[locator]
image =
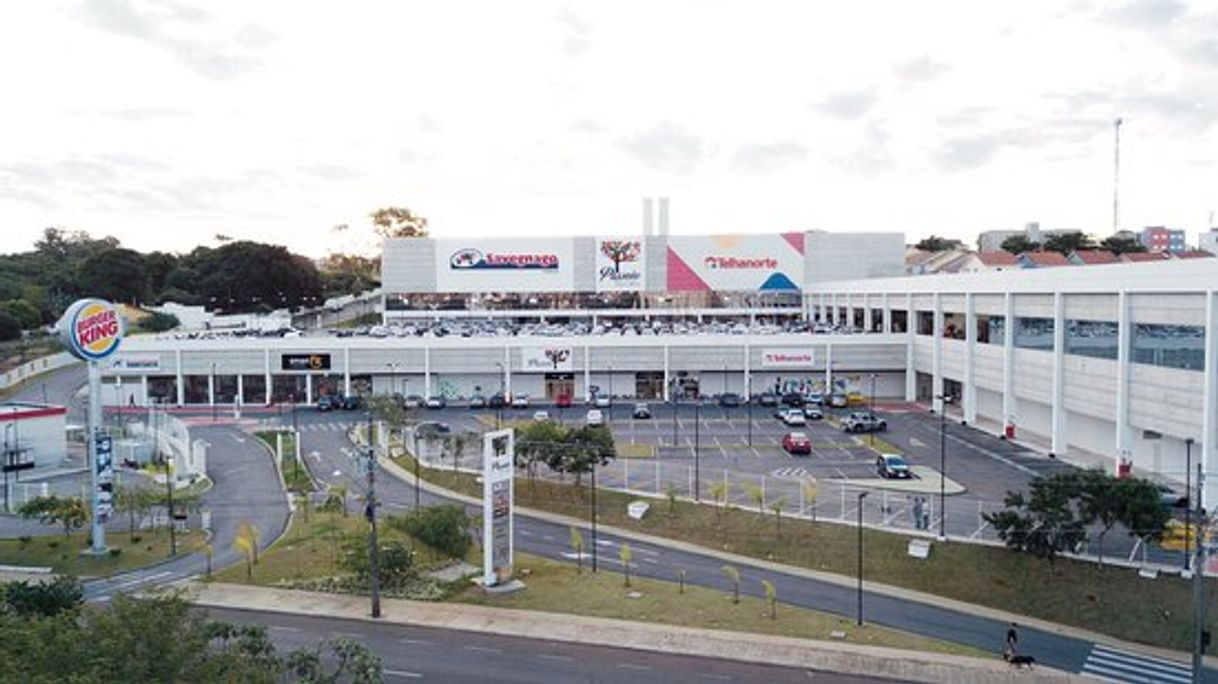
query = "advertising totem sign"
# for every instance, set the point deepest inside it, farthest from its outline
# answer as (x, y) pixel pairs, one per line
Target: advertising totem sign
(498, 462)
(92, 330)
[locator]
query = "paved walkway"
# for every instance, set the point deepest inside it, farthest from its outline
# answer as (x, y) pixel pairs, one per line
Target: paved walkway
(755, 648)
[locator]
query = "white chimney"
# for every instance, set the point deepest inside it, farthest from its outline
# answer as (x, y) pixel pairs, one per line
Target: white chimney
(648, 214)
(663, 216)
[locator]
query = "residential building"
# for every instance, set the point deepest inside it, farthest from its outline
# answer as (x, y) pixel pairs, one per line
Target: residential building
(1092, 257)
(1162, 239)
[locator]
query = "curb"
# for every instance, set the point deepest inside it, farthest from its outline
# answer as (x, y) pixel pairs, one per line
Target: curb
(780, 651)
(828, 578)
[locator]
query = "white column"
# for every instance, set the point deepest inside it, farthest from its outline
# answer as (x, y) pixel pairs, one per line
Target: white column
(308, 388)
(347, 371)
(866, 312)
(266, 371)
(237, 399)
(828, 370)
(181, 378)
(144, 389)
(911, 376)
(507, 371)
(820, 307)
(427, 373)
(970, 352)
(748, 373)
(1124, 446)
(1209, 404)
(1058, 416)
(936, 355)
(211, 389)
(588, 373)
(887, 315)
(1008, 361)
(833, 312)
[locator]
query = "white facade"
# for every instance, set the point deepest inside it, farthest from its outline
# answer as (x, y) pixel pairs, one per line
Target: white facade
(34, 433)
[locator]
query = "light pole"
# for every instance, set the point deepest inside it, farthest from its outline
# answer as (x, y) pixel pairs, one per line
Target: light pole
(749, 400)
(871, 435)
(213, 392)
(862, 495)
(593, 513)
(1188, 486)
(943, 402)
(609, 408)
(502, 397)
(370, 513)
(697, 443)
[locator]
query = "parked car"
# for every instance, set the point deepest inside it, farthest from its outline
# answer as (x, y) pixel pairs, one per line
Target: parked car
(767, 399)
(797, 443)
(496, 401)
(838, 400)
(641, 412)
(352, 402)
(863, 421)
(477, 401)
(729, 399)
(892, 467)
(412, 401)
(1170, 498)
(602, 401)
(563, 401)
(856, 399)
(432, 428)
(815, 398)
(595, 417)
(794, 399)
(813, 412)
(520, 401)
(541, 416)
(794, 418)
(327, 403)
(436, 402)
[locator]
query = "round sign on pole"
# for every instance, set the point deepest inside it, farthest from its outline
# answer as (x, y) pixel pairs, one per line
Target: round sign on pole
(92, 329)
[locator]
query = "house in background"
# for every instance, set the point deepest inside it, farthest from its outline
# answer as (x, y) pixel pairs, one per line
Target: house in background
(1092, 257)
(1042, 260)
(983, 262)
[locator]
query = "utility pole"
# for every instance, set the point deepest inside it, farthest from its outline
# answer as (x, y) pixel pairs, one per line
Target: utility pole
(370, 513)
(697, 443)
(594, 554)
(1188, 510)
(1200, 635)
(1116, 175)
(861, 495)
(173, 540)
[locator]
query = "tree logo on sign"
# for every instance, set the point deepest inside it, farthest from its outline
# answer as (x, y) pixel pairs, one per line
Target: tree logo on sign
(558, 357)
(621, 251)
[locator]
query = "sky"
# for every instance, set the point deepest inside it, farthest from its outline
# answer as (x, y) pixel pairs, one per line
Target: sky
(166, 124)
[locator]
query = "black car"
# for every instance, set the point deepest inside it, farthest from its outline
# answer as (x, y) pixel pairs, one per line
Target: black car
(729, 399)
(477, 401)
(352, 403)
(793, 399)
(767, 399)
(497, 401)
(327, 403)
(641, 412)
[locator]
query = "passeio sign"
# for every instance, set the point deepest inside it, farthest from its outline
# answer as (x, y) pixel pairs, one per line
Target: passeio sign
(92, 329)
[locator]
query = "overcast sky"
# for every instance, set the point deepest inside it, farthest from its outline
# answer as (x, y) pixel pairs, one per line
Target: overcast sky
(163, 124)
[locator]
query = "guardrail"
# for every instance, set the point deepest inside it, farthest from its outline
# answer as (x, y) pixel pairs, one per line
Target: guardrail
(38, 366)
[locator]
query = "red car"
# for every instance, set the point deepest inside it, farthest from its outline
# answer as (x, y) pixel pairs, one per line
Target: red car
(563, 401)
(797, 443)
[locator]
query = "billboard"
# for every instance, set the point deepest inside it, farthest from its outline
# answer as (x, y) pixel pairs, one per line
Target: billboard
(103, 498)
(746, 263)
(505, 265)
(786, 358)
(498, 460)
(546, 360)
(621, 264)
(304, 362)
(92, 329)
(135, 363)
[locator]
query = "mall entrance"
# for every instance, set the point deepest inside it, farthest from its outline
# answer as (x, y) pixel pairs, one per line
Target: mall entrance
(559, 384)
(649, 385)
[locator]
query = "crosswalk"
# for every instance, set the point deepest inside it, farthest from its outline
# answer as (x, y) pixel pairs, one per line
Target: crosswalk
(792, 473)
(1111, 665)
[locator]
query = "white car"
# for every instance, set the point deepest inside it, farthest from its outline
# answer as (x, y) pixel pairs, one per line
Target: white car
(595, 417)
(541, 416)
(520, 401)
(601, 401)
(794, 418)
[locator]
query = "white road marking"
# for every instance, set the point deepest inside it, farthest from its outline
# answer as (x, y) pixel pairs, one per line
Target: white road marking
(551, 656)
(417, 642)
(633, 666)
(484, 649)
(403, 673)
(278, 628)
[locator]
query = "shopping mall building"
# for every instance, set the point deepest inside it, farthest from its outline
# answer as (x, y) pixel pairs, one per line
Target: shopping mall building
(1114, 360)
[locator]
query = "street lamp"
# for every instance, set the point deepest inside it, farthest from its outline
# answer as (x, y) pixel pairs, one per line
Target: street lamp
(871, 435)
(1188, 486)
(370, 513)
(502, 397)
(862, 495)
(697, 456)
(944, 400)
(213, 392)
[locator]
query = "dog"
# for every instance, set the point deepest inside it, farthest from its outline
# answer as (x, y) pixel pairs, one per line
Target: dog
(1018, 661)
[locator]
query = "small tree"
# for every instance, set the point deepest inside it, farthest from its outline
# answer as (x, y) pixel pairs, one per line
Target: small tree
(934, 243)
(246, 543)
(809, 490)
(719, 491)
(1018, 244)
(771, 598)
(135, 502)
(1142, 511)
(1101, 502)
(1047, 523)
(670, 492)
(444, 528)
(681, 581)
(757, 494)
(69, 511)
(733, 576)
(776, 506)
(336, 497)
(304, 502)
(625, 555)
(577, 547)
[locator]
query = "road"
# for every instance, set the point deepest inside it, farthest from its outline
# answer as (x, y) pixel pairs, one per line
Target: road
(424, 654)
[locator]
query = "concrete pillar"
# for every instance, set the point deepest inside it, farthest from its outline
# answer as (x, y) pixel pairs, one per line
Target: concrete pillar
(1124, 445)
(347, 371)
(936, 355)
(1209, 404)
(828, 370)
(309, 388)
(211, 389)
(887, 315)
(748, 374)
(588, 373)
(507, 370)
(970, 353)
(820, 307)
(427, 372)
(911, 376)
(180, 377)
(1058, 416)
(266, 372)
(144, 390)
(1009, 405)
(237, 399)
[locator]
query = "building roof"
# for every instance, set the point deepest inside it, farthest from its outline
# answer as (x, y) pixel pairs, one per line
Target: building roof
(1193, 254)
(1140, 257)
(999, 258)
(1091, 257)
(1043, 258)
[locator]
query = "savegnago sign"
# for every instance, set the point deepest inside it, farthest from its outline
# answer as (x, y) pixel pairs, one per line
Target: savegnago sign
(92, 329)
(786, 358)
(470, 258)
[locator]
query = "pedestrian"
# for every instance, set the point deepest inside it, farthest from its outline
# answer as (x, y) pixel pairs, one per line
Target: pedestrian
(1012, 640)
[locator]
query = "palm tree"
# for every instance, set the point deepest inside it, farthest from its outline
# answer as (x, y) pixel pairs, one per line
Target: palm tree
(771, 597)
(809, 491)
(757, 494)
(777, 505)
(733, 576)
(577, 545)
(625, 555)
(719, 492)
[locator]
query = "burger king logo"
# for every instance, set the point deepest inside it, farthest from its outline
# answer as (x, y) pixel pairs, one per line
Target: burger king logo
(92, 329)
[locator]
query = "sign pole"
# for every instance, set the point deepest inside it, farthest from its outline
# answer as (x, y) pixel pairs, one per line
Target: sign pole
(95, 465)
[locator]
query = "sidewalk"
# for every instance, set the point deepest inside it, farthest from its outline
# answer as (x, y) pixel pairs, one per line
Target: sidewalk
(754, 648)
(828, 578)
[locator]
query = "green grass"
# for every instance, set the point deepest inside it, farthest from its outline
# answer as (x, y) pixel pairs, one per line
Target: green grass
(1113, 601)
(635, 450)
(560, 588)
(295, 473)
(63, 554)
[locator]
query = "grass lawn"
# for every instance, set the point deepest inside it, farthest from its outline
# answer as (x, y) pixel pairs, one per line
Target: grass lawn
(295, 473)
(1108, 600)
(559, 588)
(63, 554)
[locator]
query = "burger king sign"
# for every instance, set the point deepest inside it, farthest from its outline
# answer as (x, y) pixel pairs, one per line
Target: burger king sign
(92, 329)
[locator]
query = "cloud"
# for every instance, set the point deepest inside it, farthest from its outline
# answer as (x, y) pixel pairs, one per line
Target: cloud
(331, 172)
(1058, 134)
(921, 69)
(577, 32)
(666, 147)
(589, 126)
(767, 157)
(1142, 14)
(1205, 52)
(848, 104)
(872, 155)
(144, 113)
(159, 24)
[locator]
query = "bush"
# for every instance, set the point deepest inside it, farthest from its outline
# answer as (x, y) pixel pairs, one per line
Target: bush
(115, 553)
(43, 598)
(395, 560)
(53, 544)
(158, 322)
(24, 539)
(137, 539)
(444, 528)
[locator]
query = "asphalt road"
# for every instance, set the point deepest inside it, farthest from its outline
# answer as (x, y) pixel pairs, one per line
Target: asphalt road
(423, 654)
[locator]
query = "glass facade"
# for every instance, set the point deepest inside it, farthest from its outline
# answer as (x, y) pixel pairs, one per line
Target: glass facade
(1097, 339)
(1034, 333)
(1171, 346)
